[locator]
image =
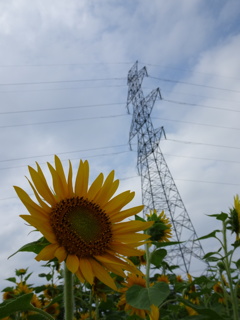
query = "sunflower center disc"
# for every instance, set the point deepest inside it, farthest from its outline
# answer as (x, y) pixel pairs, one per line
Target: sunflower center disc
(81, 227)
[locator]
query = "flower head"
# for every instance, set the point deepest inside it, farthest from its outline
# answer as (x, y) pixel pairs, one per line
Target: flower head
(163, 278)
(82, 223)
(161, 230)
(132, 280)
(234, 219)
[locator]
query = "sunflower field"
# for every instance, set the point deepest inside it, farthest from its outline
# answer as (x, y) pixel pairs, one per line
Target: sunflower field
(94, 268)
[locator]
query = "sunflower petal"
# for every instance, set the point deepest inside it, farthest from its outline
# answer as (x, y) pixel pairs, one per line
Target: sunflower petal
(31, 206)
(119, 201)
(81, 184)
(42, 186)
(86, 268)
(44, 206)
(72, 263)
(125, 250)
(121, 215)
(70, 185)
(131, 226)
(115, 269)
(80, 275)
(60, 171)
(60, 254)
(95, 186)
(47, 253)
(106, 191)
(130, 237)
(57, 183)
(102, 274)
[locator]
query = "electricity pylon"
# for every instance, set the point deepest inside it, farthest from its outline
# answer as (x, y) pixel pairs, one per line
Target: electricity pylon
(159, 190)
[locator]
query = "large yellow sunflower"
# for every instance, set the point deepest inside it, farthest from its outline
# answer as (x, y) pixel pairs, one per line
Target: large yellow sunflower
(84, 224)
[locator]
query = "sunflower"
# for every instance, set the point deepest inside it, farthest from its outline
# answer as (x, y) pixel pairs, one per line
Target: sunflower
(219, 290)
(163, 278)
(132, 280)
(161, 230)
(83, 224)
(234, 218)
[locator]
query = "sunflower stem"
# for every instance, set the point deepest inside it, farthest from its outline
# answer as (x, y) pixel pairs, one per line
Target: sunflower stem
(147, 264)
(68, 294)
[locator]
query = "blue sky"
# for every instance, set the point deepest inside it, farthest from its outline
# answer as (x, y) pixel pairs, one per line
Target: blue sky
(74, 56)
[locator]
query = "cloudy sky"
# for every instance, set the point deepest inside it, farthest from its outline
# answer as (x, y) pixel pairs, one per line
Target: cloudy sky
(63, 89)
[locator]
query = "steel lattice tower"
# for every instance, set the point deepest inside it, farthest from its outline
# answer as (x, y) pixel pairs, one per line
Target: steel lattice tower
(159, 190)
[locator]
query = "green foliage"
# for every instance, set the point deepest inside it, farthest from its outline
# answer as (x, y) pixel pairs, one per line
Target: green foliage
(213, 296)
(142, 298)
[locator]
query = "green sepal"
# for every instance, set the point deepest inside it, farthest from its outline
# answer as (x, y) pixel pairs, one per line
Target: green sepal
(139, 218)
(142, 298)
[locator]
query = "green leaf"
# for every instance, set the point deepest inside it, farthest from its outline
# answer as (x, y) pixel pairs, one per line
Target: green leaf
(21, 303)
(220, 216)
(142, 298)
(11, 279)
(210, 235)
(166, 244)
(158, 256)
(211, 314)
(237, 263)
(35, 246)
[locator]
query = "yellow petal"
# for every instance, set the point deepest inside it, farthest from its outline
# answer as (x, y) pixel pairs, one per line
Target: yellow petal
(131, 226)
(70, 185)
(47, 253)
(95, 186)
(81, 184)
(59, 188)
(61, 174)
(86, 268)
(119, 201)
(125, 250)
(42, 186)
(46, 209)
(34, 221)
(31, 206)
(80, 275)
(108, 189)
(61, 254)
(130, 237)
(72, 263)
(121, 215)
(111, 259)
(102, 274)
(154, 314)
(115, 269)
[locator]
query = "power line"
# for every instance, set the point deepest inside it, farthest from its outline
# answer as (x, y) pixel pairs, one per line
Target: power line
(64, 152)
(63, 108)
(198, 105)
(204, 144)
(61, 121)
(189, 70)
(60, 89)
(60, 64)
(58, 81)
(193, 84)
(195, 123)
